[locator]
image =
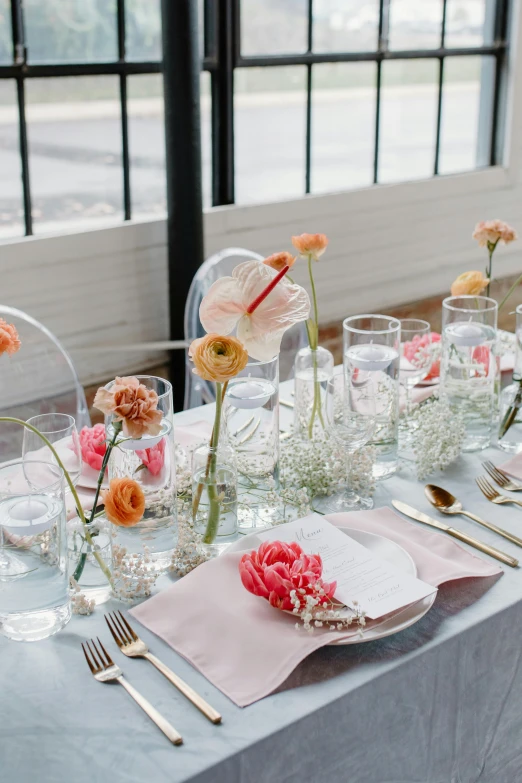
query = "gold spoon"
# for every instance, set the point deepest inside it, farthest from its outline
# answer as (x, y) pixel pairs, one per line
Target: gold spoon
(447, 503)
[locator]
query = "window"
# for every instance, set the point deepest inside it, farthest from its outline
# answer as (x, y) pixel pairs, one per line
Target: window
(297, 96)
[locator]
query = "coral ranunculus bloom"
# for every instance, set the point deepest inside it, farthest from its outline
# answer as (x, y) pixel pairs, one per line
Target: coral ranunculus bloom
(124, 502)
(278, 261)
(311, 244)
(9, 339)
(217, 358)
(133, 404)
(469, 284)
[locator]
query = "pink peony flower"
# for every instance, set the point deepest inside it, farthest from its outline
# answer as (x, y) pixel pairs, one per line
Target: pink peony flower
(92, 444)
(153, 458)
(418, 343)
(276, 569)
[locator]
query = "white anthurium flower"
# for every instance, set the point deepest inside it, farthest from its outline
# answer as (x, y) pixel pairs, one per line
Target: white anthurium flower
(259, 303)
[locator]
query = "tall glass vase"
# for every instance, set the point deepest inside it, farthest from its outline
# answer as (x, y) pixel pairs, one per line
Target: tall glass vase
(150, 461)
(510, 424)
(371, 357)
(214, 497)
(313, 370)
(469, 364)
(251, 409)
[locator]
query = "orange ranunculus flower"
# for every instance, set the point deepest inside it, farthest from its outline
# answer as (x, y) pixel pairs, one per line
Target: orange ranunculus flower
(9, 340)
(217, 358)
(492, 231)
(469, 284)
(133, 404)
(278, 261)
(124, 502)
(311, 244)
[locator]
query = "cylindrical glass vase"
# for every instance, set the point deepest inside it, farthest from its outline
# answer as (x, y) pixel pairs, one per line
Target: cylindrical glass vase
(214, 498)
(371, 345)
(312, 371)
(34, 585)
(510, 422)
(469, 364)
(84, 567)
(150, 461)
(251, 411)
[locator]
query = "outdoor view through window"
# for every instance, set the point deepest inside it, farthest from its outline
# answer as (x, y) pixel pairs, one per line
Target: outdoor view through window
(311, 125)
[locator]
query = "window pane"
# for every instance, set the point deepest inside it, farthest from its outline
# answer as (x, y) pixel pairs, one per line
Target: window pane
(206, 138)
(142, 30)
(408, 123)
(343, 125)
(415, 25)
(273, 27)
(470, 23)
(345, 25)
(270, 112)
(74, 127)
(69, 31)
(11, 204)
(467, 110)
(6, 41)
(146, 145)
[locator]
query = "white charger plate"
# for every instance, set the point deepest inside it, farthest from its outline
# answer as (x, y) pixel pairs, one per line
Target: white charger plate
(387, 550)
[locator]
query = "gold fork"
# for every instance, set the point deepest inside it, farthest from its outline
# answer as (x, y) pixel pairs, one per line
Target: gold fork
(491, 493)
(105, 670)
(133, 647)
(501, 478)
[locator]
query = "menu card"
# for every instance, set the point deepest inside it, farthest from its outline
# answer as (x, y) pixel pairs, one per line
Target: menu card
(361, 576)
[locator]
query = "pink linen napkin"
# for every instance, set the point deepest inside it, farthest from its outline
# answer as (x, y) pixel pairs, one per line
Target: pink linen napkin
(513, 466)
(245, 647)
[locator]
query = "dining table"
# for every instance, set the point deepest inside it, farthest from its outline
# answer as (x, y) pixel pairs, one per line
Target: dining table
(439, 702)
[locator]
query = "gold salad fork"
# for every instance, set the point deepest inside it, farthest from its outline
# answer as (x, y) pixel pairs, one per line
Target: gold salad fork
(104, 669)
(133, 647)
(501, 478)
(489, 491)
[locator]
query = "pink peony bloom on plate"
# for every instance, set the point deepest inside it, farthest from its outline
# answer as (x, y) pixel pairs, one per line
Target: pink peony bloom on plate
(276, 569)
(259, 303)
(489, 232)
(413, 347)
(153, 458)
(92, 444)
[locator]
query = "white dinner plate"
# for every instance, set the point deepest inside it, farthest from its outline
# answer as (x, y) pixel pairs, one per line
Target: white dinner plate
(387, 550)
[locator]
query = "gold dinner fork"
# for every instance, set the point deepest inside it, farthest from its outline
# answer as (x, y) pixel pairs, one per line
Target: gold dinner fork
(105, 670)
(491, 493)
(501, 478)
(133, 647)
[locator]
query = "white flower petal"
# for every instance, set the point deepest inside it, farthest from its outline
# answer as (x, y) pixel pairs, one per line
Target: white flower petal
(222, 307)
(260, 345)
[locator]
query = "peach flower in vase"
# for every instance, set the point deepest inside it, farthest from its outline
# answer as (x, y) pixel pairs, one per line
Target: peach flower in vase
(489, 233)
(9, 339)
(124, 502)
(469, 284)
(132, 404)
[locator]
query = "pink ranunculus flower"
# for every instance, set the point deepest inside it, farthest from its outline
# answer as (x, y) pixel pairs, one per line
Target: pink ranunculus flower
(413, 347)
(153, 458)
(259, 303)
(276, 569)
(92, 444)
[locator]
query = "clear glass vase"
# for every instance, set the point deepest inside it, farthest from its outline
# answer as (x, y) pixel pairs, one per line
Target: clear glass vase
(214, 498)
(151, 462)
(469, 364)
(84, 568)
(313, 369)
(510, 421)
(251, 412)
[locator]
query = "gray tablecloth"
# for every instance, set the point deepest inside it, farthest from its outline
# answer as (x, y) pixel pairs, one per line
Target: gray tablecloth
(438, 703)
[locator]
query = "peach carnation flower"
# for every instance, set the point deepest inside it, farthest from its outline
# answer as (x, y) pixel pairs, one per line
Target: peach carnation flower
(312, 245)
(133, 404)
(278, 261)
(489, 232)
(9, 340)
(217, 358)
(469, 284)
(124, 502)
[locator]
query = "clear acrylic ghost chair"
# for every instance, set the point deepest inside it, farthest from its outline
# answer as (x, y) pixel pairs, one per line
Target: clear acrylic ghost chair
(198, 391)
(39, 378)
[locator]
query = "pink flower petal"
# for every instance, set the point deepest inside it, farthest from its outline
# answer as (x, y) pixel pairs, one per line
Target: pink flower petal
(223, 306)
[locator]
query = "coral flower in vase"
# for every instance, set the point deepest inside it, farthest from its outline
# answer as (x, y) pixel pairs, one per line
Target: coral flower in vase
(9, 339)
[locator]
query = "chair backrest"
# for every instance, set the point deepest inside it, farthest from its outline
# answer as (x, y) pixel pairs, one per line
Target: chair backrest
(198, 391)
(39, 378)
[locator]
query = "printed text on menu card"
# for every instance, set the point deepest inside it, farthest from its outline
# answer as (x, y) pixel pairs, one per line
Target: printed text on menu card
(361, 576)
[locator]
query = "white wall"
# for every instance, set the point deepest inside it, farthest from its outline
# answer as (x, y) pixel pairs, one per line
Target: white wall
(389, 244)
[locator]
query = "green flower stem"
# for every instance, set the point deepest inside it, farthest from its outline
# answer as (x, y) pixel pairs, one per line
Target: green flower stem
(489, 270)
(79, 508)
(517, 282)
(117, 429)
(511, 413)
(214, 511)
(199, 491)
(312, 328)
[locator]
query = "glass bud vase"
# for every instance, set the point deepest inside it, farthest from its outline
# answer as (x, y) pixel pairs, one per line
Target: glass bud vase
(251, 409)
(84, 568)
(214, 498)
(510, 422)
(312, 370)
(147, 547)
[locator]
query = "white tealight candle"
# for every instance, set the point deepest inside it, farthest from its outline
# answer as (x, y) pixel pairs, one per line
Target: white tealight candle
(371, 357)
(249, 394)
(31, 515)
(465, 334)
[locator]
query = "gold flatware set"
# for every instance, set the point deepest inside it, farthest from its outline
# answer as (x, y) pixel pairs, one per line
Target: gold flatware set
(104, 669)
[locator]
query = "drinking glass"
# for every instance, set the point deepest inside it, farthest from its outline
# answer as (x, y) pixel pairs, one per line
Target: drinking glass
(60, 430)
(415, 362)
(350, 419)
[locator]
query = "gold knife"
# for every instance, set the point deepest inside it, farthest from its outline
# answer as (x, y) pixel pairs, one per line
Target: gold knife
(486, 548)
